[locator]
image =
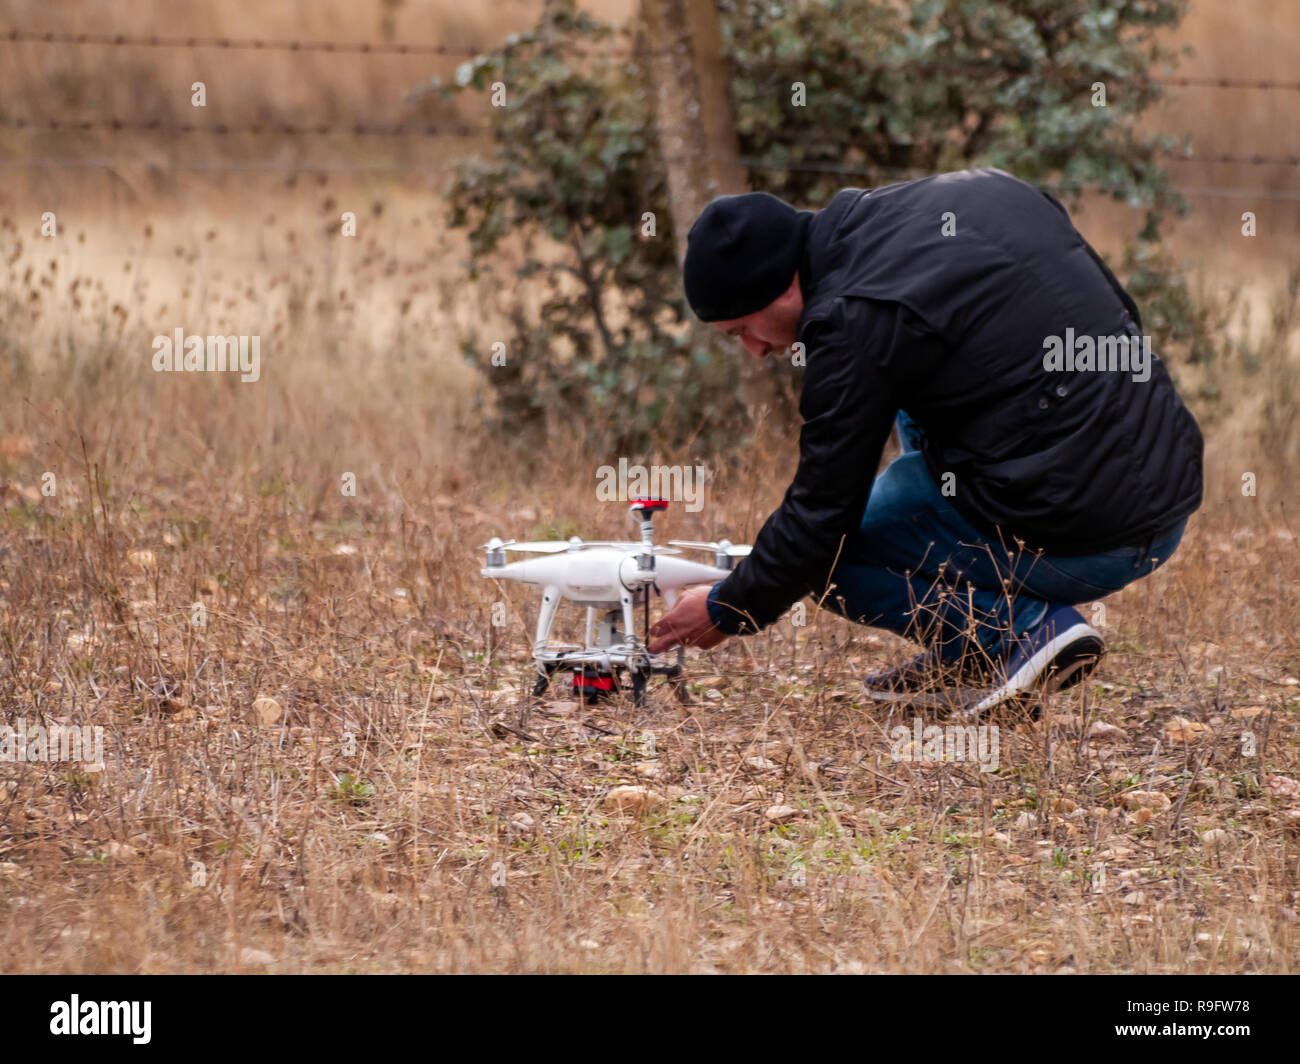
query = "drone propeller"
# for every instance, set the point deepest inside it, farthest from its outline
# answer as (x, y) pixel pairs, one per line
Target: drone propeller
(541, 546)
(626, 545)
(725, 546)
(556, 546)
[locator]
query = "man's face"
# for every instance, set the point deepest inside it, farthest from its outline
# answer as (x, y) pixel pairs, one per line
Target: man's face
(774, 328)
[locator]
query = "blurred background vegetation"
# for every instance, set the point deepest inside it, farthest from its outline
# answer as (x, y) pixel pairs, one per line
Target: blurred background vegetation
(825, 95)
(548, 231)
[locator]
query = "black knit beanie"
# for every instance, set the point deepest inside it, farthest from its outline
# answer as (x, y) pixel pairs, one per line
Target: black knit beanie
(741, 253)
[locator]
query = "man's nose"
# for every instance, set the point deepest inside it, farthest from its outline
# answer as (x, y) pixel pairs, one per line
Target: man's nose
(755, 346)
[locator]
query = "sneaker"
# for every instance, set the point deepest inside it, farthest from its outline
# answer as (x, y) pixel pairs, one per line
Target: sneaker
(926, 673)
(1061, 651)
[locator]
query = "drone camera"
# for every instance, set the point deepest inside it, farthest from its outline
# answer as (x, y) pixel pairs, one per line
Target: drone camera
(593, 684)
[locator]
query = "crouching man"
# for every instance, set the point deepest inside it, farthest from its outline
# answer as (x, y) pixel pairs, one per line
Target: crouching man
(1046, 458)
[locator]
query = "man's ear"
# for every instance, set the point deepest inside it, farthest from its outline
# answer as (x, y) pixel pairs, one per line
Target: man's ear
(793, 295)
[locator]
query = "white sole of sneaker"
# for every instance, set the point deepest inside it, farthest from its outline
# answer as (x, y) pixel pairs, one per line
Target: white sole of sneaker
(941, 698)
(885, 696)
(1030, 676)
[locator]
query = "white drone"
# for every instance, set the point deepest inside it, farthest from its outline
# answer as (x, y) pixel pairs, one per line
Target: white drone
(614, 578)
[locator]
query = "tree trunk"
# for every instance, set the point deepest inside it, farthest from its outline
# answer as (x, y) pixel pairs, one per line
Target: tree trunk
(697, 136)
(697, 139)
(701, 152)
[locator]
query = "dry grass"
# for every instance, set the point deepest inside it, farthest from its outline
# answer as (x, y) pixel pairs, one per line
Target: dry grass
(467, 829)
(337, 771)
(464, 828)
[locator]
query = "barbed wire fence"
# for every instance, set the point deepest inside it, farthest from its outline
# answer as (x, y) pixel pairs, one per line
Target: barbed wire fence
(360, 129)
(123, 40)
(219, 131)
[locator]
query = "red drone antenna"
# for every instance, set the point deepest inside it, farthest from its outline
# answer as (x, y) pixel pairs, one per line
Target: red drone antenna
(643, 511)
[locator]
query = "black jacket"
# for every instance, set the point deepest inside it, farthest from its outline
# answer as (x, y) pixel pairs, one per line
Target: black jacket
(953, 329)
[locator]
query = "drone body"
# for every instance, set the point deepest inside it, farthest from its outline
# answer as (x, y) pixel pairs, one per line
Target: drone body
(610, 579)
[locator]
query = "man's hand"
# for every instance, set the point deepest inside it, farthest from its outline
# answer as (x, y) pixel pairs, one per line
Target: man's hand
(686, 623)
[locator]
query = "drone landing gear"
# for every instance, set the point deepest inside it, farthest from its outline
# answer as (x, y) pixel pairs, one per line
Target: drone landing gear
(592, 685)
(543, 680)
(640, 677)
(596, 670)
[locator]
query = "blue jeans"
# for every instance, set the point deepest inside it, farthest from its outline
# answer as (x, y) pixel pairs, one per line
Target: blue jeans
(918, 568)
